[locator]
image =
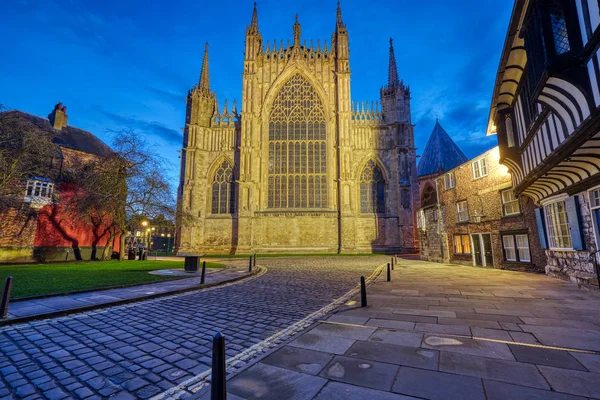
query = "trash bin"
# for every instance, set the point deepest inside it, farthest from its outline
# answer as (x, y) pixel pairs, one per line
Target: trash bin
(192, 263)
(131, 253)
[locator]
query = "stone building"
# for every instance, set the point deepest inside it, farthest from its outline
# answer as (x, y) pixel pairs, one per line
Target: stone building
(478, 221)
(545, 113)
(34, 225)
(302, 167)
(441, 154)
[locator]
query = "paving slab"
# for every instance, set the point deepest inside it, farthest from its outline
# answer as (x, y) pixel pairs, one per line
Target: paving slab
(572, 382)
(392, 324)
(487, 368)
(323, 342)
(590, 361)
(401, 338)
(367, 373)
(343, 331)
(543, 356)
(437, 385)
(504, 391)
(267, 382)
(343, 391)
(393, 354)
(298, 359)
(468, 346)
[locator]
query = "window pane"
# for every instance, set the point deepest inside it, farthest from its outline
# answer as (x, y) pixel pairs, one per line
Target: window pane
(509, 248)
(523, 248)
(466, 244)
(458, 244)
(300, 166)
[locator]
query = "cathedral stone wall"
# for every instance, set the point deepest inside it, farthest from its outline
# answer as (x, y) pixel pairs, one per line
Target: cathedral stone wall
(306, 168)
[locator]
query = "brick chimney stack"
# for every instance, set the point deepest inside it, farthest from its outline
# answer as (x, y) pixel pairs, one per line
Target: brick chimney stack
(58, 117)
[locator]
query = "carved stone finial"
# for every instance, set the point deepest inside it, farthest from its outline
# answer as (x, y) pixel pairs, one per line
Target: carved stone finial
(297, 32)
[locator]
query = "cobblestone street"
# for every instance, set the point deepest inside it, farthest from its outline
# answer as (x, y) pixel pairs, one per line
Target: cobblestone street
(140, 350)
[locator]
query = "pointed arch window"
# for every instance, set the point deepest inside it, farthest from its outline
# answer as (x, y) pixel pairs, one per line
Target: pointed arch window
(297, 148)
(372, 189)
(223, 190)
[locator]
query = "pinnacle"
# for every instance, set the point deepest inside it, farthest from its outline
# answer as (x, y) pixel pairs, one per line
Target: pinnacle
(204, 82)
(393, 79)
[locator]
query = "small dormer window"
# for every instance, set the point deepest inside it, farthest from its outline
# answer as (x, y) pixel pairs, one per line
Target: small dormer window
(39, 190)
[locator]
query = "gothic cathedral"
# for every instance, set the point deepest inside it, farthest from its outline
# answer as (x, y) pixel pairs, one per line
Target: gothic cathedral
(301, 168)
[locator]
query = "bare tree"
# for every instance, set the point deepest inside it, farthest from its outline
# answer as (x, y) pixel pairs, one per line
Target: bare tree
(120, 190)
(25, 151)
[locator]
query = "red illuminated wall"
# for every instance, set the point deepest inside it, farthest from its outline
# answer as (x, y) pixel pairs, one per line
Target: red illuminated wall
(58, 226)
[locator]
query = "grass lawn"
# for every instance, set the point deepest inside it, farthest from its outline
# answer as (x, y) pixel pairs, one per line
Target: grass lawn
(44, 279)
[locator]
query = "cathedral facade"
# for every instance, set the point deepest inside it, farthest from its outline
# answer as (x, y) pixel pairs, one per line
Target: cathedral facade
(301, 168)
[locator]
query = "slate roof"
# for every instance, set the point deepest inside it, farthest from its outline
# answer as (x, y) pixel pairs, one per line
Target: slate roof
(69, 137)
(441, 153)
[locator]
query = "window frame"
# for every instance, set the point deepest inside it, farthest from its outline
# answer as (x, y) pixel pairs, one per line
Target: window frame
(39, 191)
(459, 211)
(553, 231)
(482, 165)
(513, 238)
(452, 179)
(504, 204)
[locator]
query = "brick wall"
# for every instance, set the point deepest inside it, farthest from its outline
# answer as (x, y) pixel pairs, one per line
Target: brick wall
(484, 200)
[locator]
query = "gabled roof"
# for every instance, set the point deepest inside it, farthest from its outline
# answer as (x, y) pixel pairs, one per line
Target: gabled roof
(68, 136)
(441, 153)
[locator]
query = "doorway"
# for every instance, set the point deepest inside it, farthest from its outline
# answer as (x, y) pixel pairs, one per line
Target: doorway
(483, 255)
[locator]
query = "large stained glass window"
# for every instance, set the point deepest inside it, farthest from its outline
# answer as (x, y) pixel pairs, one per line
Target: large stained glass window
(297, 148)
(372, 190)
(223, 190)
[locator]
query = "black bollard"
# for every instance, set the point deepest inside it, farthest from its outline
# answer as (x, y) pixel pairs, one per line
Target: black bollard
(5, 297)
(389, 273)
(393, 262)
(218, 390)
(203, 276)
(254, 263)
(250, 265)
(363, 292)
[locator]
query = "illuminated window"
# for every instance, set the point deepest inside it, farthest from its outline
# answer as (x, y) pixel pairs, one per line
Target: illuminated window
(510, 204)
(297, 148)
(480, 168)
(557, 224)
(462, 244)
(223, 190)
(462, 211)
(372, 190)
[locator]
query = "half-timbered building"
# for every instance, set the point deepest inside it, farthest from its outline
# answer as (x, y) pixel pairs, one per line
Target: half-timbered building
(545, 112)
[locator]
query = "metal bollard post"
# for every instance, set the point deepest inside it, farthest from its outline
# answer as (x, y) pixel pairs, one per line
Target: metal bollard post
(203, 276)
(389, 273)
(5, 297)
(250, 265)
(218, 391)
(254, 263)
(363, 292)
(393, 262)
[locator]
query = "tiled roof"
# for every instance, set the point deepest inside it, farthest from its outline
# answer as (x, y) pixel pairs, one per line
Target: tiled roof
(68, 136)
(441, 153)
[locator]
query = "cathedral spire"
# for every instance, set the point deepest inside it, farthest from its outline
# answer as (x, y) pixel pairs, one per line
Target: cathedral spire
(296, 32)
(253, 28)
(339, 22)
(204, 82)
(393, 80)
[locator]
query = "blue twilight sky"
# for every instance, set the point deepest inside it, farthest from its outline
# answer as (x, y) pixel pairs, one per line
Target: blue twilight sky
(129, 63)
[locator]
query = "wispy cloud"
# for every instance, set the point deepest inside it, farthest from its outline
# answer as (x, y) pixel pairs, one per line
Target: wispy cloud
(153, 128)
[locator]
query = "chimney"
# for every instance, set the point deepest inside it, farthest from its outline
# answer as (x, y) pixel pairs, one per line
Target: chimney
(58, 117)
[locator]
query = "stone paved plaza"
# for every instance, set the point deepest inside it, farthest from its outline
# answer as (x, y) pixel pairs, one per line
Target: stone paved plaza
(442, 332)
(140, 350)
